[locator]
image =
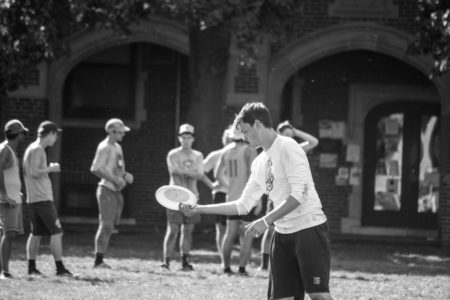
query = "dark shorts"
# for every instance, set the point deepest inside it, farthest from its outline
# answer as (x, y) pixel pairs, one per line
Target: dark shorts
(44, 218)
(300, 262)
(220, 197)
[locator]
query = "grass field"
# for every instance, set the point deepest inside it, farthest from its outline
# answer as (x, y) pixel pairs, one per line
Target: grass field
(359, 271)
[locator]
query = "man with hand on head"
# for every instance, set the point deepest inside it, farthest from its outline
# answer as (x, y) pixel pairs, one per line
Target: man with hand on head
(300, 252)
(236, 161)
(44, 218)
(10, 192)
(109, 166)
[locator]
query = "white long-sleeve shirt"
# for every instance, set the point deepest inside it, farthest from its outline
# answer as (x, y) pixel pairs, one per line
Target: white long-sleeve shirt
(291, 174)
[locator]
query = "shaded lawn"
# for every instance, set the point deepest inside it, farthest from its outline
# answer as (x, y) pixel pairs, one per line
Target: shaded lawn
(359, 271)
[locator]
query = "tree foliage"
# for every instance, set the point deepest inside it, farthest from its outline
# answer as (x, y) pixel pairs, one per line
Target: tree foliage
(32, 31)
(433, 36)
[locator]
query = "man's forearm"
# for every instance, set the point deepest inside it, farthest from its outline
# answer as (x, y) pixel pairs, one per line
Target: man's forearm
(286, 207)
(228, 208)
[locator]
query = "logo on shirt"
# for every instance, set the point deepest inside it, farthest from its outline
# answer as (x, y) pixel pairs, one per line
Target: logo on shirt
(316, 280)
(269, 177)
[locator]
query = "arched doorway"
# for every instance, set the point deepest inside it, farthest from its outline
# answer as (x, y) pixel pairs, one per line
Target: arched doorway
(155, 57)
(144, 84)
(342, 89)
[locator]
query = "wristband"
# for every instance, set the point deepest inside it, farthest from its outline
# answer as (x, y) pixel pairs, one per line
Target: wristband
(265, 222)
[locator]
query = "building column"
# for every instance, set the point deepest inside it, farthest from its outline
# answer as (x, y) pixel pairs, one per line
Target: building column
(444, 201)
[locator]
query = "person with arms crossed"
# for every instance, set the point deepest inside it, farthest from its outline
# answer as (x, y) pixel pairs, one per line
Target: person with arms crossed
(185, 167)
(309, 142)
(44, 218)
(109, 166)
(219, 191)
(235, 162)
(11, 219)
(300, 251)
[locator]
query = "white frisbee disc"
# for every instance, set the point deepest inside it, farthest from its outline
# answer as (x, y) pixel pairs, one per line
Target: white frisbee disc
(170, 196)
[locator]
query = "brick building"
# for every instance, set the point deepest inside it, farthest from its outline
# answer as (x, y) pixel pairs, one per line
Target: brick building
(382, 168)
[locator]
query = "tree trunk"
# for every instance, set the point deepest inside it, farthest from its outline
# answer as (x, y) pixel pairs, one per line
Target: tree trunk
(208, 66)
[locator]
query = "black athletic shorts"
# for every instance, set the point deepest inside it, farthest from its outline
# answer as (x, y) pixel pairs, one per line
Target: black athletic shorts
(44, 218)
(220, 197)
(300, 262)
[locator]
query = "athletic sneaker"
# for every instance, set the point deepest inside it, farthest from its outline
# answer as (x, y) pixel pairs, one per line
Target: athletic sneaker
(6, 275)
(228, 271)
(34, 272)
(102, 265)
(165, 266)
(242, 273)
(64, 272)
(187, 267)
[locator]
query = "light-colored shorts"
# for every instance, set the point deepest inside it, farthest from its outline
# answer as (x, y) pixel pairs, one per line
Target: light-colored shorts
(110, 206)
(11, 218)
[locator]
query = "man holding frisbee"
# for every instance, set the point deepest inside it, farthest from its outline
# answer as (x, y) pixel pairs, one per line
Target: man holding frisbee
(109, 166)
(300, 251)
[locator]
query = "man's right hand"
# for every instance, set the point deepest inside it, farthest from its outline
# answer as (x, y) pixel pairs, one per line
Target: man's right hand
(187, 209)
(54, 167)
(11, 202)
(120, 183)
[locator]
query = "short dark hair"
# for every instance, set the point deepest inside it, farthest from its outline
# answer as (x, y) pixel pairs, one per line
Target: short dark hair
(254, 111)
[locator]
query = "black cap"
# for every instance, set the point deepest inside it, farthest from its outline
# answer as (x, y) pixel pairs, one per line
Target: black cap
(47, 127)
(14, 127)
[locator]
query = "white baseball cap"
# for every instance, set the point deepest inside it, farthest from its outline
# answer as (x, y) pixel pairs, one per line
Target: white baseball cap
(116, 124)
(186, 128)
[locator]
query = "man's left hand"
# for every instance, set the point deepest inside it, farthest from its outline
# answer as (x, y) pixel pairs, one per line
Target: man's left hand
(256, 228)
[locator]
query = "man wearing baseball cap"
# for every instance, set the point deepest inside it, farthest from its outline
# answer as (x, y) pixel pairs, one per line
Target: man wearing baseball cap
(44, 218)
(109, 166)
(10, 192)
(185, 169)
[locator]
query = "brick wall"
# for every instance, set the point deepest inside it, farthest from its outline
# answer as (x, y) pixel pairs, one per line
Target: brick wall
(313, 16)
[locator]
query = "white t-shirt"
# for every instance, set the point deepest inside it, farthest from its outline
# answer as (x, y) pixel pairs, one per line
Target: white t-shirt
(286, 164)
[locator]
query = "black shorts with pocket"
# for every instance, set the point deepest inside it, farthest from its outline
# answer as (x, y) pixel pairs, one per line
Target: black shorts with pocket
(44, 218)
(300, 262)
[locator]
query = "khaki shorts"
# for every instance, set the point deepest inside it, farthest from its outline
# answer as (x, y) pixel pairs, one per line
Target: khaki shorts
(110, 206)
(11, 218)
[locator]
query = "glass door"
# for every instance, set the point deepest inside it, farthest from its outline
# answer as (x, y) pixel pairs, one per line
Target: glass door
(401, 166)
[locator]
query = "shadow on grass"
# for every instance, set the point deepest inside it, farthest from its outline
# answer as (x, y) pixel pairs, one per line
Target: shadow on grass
(365, 257)
(390, 259)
